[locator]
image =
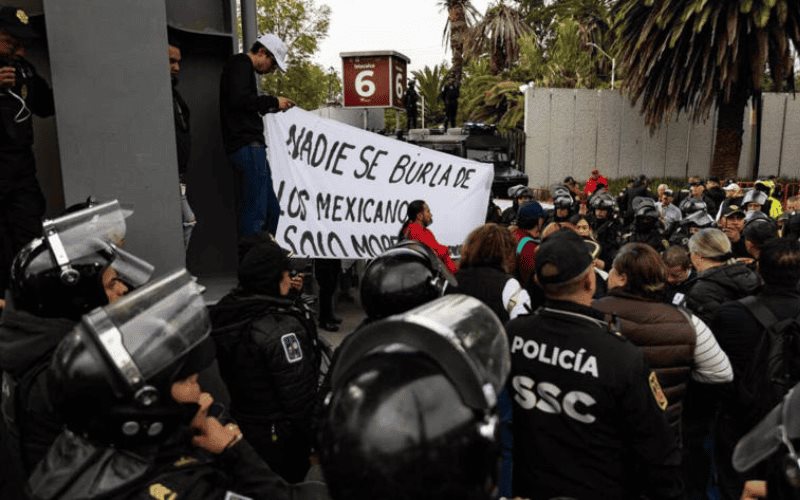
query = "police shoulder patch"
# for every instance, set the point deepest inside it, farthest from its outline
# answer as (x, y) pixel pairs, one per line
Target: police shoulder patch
(658, 393)
(291, 348)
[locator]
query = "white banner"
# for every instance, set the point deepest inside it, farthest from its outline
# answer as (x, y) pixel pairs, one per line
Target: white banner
(344, 192)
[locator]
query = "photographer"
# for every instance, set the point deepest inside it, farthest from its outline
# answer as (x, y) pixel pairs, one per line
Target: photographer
(22, 93)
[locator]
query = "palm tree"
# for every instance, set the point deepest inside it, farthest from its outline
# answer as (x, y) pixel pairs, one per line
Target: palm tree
(497, 35)
(460, 15)
(430, 82)
(690, 55)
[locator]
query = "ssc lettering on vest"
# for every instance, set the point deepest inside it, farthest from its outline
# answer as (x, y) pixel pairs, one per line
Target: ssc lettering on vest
(574, 404)
(563, 358)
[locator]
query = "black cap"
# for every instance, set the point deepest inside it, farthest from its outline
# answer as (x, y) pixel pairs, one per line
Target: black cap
(529, 214)
(569, 180)
(729, 210)
(561, 257)
(262, 268)
(15, 22)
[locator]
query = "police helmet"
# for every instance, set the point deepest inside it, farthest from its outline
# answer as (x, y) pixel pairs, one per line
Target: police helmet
(413, 404)
(519, 191)
(644, 206)
(602, 201)
(691, 205)
(699, 219)
(60, 274)
(562, 202)
(403, 277)
(754, 196)
(111, 377)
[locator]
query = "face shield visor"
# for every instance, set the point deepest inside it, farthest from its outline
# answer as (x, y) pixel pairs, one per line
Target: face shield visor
(459, 332)
(84, 236)
(754, 196)
(779, 428)
(148, 330)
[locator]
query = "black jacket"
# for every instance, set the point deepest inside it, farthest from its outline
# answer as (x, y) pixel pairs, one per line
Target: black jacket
(485, 284)
(269, 358)
(590, 418)
(27, 343)
(720, 284)
(75, 469)
(240, 104)
(38, 97)
(738, 332)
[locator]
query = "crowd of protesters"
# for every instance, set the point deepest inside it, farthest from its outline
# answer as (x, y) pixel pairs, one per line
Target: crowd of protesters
(591, 345)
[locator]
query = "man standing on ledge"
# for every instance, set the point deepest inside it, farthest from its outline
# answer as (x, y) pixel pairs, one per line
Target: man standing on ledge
(241, 111)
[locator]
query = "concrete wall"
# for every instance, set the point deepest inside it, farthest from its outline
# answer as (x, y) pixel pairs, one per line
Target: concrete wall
(353, 117)
(114, 116)
(571, 132)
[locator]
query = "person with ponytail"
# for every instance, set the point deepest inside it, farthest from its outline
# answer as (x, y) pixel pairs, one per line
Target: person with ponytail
(415, 227)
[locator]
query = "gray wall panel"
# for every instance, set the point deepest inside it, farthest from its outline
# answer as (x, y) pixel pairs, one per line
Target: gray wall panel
(677, 147)
(585, 134)
(701, 138)
(771, 132)
(562, 135)
(608, 132)
(630, 163)
(128, 150)
(537, 145)
(654, 147)
(790, 161)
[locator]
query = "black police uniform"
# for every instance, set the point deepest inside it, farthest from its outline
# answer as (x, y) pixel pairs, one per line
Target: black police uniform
(269, 358)
(608, 233)
(176, 471)
(22, 203)
(588, 412)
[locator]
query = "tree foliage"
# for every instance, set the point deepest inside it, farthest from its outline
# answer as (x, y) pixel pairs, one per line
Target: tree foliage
(497, 36)
(429, 84)
(690, 55)
(461, 15)
(684, 55)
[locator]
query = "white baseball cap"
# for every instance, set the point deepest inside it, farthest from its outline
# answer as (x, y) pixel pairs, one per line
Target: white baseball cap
(276, 46)
(731, 187)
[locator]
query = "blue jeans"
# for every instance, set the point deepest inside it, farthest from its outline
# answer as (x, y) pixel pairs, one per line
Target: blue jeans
(258, 205)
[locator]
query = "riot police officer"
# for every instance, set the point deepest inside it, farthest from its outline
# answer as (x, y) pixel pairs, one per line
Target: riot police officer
(606, 225)
(55, 279)
(269, 358)
(128, 405)
(586, 405)
(411, 414)
(519, 195)
(689, 225)
(646, 226)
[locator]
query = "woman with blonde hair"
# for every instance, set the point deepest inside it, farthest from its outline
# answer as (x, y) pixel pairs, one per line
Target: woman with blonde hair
(720, 277)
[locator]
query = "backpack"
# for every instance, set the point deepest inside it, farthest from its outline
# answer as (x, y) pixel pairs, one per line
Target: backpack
(775, 365)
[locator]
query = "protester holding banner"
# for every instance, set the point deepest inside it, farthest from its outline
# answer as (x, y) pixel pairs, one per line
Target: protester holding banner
(415, 227)
(241, 108)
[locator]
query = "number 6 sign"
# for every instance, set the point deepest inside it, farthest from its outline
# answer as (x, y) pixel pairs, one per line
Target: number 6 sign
(374, 79)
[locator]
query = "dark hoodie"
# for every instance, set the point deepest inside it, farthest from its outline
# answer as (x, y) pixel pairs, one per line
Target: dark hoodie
(720, 284)
(27, 343)
(268, 356)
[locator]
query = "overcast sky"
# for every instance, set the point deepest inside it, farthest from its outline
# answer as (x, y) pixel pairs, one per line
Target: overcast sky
(411, 27)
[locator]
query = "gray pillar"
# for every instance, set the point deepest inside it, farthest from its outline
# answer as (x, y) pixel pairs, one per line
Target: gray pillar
(249, 23)
(114, 116)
